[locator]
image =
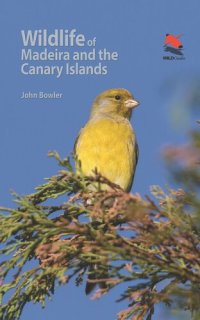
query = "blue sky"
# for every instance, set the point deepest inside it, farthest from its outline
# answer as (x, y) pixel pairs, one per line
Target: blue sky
(30, 128)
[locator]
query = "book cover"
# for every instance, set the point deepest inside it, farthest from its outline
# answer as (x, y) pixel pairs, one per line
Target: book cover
(56, 57)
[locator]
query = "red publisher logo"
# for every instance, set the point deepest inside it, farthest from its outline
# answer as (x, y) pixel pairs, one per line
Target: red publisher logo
(173, 45)
(173, 41)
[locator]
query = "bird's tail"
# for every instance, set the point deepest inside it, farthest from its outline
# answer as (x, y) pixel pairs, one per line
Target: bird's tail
(90, 284)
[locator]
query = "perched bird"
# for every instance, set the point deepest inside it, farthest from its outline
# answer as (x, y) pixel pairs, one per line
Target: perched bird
(107, 142)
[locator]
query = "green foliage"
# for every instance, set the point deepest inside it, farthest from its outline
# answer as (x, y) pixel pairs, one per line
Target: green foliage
(150, 244)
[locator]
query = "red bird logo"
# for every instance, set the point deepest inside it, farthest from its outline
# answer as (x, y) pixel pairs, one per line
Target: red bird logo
(173, 41)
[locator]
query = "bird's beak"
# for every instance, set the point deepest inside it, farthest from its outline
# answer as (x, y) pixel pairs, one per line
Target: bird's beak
(131, 103)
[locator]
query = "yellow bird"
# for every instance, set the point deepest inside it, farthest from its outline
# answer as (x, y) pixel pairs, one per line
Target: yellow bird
(108, 142)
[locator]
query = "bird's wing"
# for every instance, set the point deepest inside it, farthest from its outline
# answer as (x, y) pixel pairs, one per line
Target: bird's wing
(136, 153)
(75, 145)
(76, 142)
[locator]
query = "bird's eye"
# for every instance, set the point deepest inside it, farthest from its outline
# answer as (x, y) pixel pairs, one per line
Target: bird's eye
(117, 97)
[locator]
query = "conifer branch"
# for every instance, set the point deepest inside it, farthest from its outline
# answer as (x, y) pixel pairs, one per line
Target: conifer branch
(112, 236)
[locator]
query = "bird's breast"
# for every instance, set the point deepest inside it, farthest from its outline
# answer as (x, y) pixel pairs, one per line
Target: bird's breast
(108, 146)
